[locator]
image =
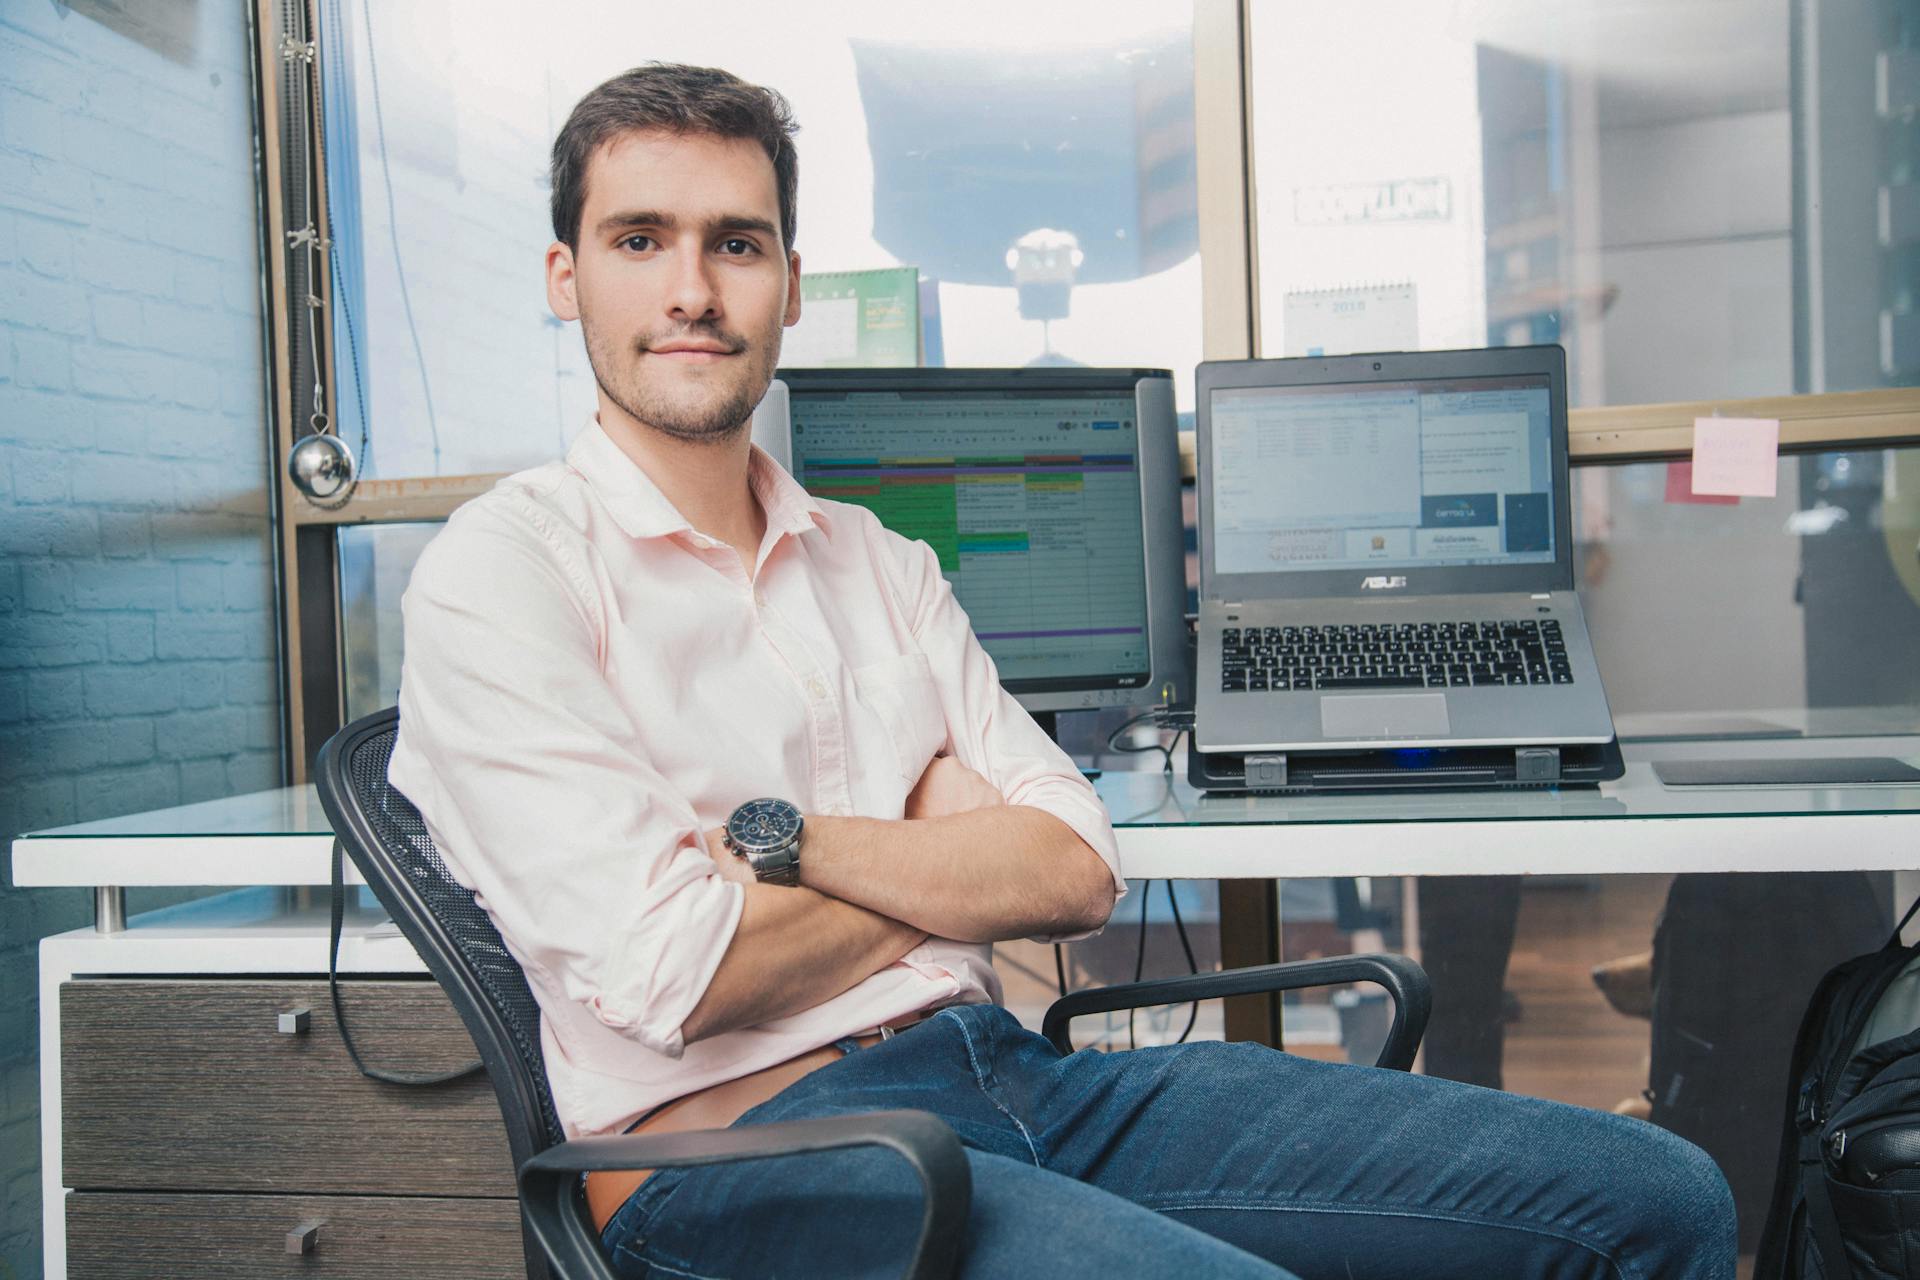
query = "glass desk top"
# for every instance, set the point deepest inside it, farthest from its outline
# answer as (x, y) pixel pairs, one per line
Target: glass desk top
(1155, 799)
(283, 811)
(1165, 827)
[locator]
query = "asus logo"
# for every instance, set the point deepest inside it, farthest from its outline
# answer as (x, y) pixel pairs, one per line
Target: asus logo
(1382, 584)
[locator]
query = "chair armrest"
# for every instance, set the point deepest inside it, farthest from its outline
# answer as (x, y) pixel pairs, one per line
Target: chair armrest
(1404, 980)
(549, 1181)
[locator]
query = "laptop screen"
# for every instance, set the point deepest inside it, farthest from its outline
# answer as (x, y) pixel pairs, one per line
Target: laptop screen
(1030, 499)
(1434, 473)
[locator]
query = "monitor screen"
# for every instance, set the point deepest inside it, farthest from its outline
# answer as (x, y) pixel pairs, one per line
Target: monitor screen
(1435, 473)
(1031, 499)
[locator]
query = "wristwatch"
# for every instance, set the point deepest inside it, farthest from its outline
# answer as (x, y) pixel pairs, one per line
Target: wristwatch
(765, 834)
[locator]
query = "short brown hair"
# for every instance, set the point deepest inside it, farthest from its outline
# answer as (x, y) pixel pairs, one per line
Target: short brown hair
(677, 99)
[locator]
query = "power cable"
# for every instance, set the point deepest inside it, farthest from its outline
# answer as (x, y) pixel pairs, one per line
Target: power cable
(1139, 956)
(1159, 717)
(1193, 1008)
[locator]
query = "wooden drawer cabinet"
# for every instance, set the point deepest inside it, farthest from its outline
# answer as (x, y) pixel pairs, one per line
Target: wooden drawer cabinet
(191, 1085)
(141, 1236)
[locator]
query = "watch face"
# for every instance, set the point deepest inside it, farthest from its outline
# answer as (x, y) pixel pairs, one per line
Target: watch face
(762, 826)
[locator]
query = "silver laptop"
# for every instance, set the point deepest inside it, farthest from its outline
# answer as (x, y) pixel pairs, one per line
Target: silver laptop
(1385, 555)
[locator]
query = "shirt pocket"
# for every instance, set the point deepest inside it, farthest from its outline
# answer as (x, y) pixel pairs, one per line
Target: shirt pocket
(901, 692)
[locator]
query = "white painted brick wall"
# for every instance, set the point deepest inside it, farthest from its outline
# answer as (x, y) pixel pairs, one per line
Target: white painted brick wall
(136, 627)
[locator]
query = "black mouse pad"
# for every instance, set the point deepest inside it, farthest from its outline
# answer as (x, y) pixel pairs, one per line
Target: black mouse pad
(1808, 771)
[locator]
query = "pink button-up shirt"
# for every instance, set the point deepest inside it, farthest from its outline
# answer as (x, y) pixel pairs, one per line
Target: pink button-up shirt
(591, 683)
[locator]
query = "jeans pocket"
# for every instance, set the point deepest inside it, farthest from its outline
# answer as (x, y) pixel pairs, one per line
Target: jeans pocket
(628, 1262)
(628, 1229)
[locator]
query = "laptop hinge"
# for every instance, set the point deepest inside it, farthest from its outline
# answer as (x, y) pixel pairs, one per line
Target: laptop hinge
(1536, 764)
(1267, 770)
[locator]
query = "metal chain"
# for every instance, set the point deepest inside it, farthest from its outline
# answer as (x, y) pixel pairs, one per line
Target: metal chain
(312, 240)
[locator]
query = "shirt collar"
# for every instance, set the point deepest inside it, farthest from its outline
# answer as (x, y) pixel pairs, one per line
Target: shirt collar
(642, 511)
(789, 508)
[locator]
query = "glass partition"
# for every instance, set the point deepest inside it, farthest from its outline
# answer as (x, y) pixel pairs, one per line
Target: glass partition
(1034, 164)
(1798, 613)
(1699, 201)
(375, 562)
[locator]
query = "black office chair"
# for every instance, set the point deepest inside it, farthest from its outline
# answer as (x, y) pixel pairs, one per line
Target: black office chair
(384, 835)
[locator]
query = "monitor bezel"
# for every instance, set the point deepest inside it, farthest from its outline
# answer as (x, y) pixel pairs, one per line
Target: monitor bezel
(1548, 361)
(1160, 516)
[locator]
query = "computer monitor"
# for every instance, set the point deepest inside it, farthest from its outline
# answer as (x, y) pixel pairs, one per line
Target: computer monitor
(1051, 496)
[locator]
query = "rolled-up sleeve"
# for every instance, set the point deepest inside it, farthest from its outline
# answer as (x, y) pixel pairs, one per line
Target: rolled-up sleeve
(991, 733)
(533, 782)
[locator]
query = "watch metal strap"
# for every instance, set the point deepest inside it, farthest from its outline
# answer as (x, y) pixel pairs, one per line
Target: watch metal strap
(781, 866)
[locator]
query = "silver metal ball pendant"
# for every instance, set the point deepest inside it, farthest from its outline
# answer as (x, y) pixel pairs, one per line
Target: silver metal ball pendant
(320, 466)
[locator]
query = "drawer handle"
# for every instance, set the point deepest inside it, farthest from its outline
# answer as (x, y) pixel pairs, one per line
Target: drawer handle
(294, 1022)
(305, 1238)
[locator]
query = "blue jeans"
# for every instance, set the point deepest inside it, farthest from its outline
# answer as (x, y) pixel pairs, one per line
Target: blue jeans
(1220, 1160)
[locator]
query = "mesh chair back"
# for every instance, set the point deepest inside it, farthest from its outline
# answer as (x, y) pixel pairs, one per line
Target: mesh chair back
(387, 839)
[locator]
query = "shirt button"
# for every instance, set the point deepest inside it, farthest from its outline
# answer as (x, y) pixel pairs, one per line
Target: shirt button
(760, 599)
(816, 687)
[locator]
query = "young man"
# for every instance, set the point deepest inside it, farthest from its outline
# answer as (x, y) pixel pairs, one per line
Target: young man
(613, 659)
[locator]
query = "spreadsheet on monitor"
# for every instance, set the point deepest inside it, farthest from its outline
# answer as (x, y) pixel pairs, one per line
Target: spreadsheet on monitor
(1031, 502)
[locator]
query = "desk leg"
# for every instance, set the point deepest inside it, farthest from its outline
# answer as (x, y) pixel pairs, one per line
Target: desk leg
(109, 909)
(1250, 935)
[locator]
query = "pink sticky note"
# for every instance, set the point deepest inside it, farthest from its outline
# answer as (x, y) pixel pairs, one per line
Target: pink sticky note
(1738, 456)
(1680, 486)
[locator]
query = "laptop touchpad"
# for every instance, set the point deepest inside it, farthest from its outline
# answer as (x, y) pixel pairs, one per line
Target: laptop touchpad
(1384, 715)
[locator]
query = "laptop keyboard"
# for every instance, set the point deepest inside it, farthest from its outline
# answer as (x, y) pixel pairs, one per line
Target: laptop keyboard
(1407, 655)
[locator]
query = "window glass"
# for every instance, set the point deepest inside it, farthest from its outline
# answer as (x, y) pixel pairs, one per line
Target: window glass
(375, 562)
(1034, 164)
(1796, 613)
(1808, 602)
(1616, 178)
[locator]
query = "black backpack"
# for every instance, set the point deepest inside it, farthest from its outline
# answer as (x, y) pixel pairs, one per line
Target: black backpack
(1846, 1196)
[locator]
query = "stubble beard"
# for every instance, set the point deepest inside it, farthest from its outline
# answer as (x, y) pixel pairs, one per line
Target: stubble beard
(703, 412)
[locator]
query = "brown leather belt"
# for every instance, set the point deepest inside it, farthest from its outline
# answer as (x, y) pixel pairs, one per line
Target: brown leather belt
(716, 1107)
